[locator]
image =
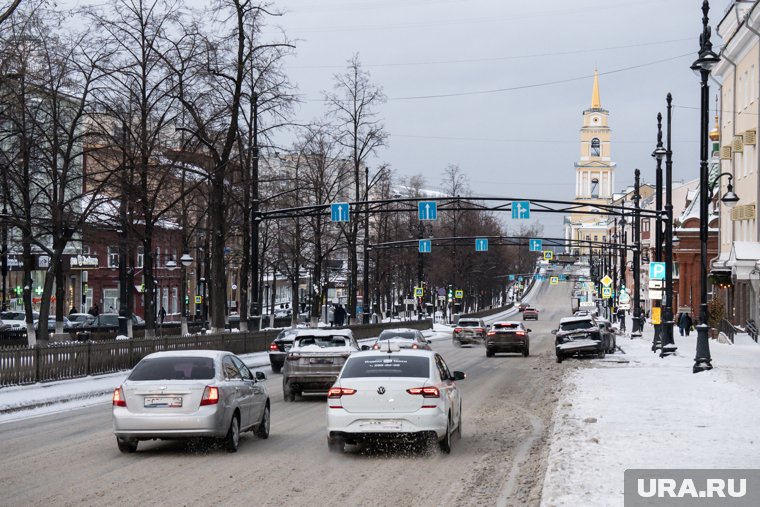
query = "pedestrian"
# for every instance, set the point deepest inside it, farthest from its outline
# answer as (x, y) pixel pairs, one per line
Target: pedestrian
(340, 315)
(614, 314)
(162, 314)
(679, 321)
(685, 322)
(73, 310)
(621, 318)
(94, 310)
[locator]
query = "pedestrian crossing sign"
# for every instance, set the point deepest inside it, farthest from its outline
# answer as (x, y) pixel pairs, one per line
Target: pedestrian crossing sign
(606, 292)
(198, 300)
(459, 294)
(419, 292)
(548, 255)
(554, 280)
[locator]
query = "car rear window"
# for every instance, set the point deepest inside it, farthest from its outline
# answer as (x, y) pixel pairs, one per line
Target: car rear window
(174, 368)
(386, 335)
(469, 323)
(506, 326)
(387, 366)
(322, 341)
(572, 326)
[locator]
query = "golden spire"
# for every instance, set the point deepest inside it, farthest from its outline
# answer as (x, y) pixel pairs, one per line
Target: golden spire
(715, 132)
(596, 102)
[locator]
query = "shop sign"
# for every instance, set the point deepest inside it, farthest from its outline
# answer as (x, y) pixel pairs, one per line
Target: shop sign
(84, 261)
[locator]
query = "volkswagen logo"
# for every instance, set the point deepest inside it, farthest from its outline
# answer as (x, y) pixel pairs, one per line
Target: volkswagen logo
(381, 390)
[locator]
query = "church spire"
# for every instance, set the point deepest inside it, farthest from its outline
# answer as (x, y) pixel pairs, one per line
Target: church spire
(596, 102)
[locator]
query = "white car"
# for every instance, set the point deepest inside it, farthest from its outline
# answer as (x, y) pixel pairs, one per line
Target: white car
(391, 394)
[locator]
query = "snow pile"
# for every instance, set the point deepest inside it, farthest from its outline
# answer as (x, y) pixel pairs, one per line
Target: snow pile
(637, 410)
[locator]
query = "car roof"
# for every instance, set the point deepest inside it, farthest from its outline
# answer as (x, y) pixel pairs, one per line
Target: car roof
(507, 322)
(325, 332)
(214, 354)
(579, 318)
(400, 330)
(385, 353)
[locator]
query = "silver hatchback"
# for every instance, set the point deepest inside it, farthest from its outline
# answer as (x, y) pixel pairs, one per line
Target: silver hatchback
(190, 393)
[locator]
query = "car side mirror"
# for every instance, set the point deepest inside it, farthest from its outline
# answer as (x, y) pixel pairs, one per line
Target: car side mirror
(458, 375)
(365, 347)
(260, 375)
(530, 330)
(428, 341)
(554, 331)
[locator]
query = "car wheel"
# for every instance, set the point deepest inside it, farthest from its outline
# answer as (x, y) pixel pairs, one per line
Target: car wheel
(287, 393)
(445, 443)
(489, 353)
(232, 440)
(601, 354)
(459, 425)
(559, 359)
(526, 351)
(336, 445)
(263, 429)
(276, 368)
(126, 445)
(457, 343)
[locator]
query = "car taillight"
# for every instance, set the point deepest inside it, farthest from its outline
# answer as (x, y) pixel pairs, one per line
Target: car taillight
(118, 399)
(376, 347)
(337, 392)
(491, 333)
(414, 346)
(479, 329)
(294, 356)
(274, 347)
(426, 392)
(210, 396)
(520, 333)
(457, 329)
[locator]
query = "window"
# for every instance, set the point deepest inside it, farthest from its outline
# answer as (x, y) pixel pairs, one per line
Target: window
(85, 249)
(387, 366)
(596, 238)
(645, 226)
(230, 370)
(595, 187)
(113, 257)
(140, 256)
(596, 147)
(110, 300)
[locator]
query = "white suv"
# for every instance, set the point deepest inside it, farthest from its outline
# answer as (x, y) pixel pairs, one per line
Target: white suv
(391, 394)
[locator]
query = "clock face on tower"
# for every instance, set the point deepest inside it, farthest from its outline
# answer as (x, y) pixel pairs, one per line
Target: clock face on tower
(595, 119)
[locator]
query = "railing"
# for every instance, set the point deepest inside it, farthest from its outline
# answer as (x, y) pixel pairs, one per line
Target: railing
(65, 360)
(751, 328)
(727, 328)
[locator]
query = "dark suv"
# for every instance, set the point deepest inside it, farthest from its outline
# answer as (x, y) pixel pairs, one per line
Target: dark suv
(579, 336)
(508, 336)
(279, 348)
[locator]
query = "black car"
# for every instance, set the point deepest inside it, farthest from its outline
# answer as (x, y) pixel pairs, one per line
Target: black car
(279, 348)
(579, 336)
(508, 336)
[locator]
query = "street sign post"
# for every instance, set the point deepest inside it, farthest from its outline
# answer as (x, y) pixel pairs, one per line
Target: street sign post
(511, 278)
(481, 245)
(656, 270)
(520, 209)
(339, 212)
(419, 292)
(536, 245)
(606, 292)
(425, 246)
(606, 281)
(548, 255)
(459, 294)
(198, 300)
(554, 280)
(427, 210)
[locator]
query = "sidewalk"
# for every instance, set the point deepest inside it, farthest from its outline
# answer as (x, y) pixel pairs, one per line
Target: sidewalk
(637, 410)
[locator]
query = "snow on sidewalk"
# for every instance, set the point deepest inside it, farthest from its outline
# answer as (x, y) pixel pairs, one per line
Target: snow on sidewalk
(652, 412)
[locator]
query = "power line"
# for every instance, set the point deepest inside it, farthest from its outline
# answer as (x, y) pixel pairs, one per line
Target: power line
(526, 141)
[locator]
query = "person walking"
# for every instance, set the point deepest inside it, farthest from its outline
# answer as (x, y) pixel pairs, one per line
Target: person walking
(340, 315)
(679, 321)
(162, 314)
(685, 322)
(621, 318)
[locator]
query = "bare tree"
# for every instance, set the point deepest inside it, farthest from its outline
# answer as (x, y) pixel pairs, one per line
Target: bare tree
(353, 103)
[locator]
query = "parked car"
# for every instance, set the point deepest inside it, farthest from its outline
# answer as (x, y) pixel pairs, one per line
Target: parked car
(112, 320)
(605, 326)
(51, 324)
(16, 319)
(314, 361)
(80, 319)
(190, 393)
(469, 331)
(279, 348)
(530, 313)
(394, 395)
(508, 336)
(579, 336)
(405, 338)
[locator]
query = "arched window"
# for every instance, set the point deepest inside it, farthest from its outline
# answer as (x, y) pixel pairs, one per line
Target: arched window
(595, 188)
(596, 147)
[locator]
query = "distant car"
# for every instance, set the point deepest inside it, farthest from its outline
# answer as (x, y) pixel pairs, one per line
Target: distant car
(393, 395)
(468, 331)
(522, 306)
(405, 338)
(112, 320)
(605, 326)
(279, 348)
(190, 393)
(508, 336)
(315, 360)
(17, 319)
(80, 319)
(530, 313)
(579, 336)
(51, 324)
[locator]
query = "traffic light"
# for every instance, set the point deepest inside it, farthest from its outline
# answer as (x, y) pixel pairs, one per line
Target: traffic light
(19, 290)
(187, 299)
(451, 293)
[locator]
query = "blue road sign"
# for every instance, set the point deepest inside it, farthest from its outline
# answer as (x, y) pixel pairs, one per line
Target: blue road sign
(520, 209)
(339, 212)
(536, 245)
(481, 245)
(656, 270)
(427, 210)
(425, 246)
(562, 278)
(511, 278)
(519, 278)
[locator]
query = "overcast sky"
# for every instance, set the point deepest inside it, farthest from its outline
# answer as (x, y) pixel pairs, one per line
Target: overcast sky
(521, 141)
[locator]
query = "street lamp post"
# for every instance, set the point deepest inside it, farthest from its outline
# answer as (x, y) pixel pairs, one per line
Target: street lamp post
(658, 154)
(636, 324)
(5, 258)
(186, 260)
(704, 63)
(668, 343)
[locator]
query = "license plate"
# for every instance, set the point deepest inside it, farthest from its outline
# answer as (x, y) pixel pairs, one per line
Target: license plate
(163, 402)
(382, 425)
(321, 360)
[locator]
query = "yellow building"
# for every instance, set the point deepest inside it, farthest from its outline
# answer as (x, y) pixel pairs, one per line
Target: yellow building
(594, 174)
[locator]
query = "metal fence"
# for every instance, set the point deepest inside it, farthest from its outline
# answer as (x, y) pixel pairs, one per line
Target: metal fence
(752, 329)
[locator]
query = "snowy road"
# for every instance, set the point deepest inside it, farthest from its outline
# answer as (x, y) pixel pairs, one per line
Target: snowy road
(71, 458)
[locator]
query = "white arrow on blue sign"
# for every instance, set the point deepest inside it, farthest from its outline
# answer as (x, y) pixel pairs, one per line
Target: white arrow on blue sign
(425, 246)
(520, 209)
(427, 210)
(481, 245)
(656, 270)
(536, 245)
(339, 212)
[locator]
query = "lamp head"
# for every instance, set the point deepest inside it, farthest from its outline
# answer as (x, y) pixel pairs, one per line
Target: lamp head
(729, 198)
(186, 259)
(659, 153)
(171, 264)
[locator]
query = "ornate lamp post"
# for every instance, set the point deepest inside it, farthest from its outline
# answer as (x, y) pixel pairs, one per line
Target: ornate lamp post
(659, 154)
(668, 343)
(186, 260)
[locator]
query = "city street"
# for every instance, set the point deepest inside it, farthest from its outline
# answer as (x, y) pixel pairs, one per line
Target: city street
(71, 458)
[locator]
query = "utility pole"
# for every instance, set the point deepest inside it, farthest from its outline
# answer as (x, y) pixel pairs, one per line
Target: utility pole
(636, 331)
(255, 294)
